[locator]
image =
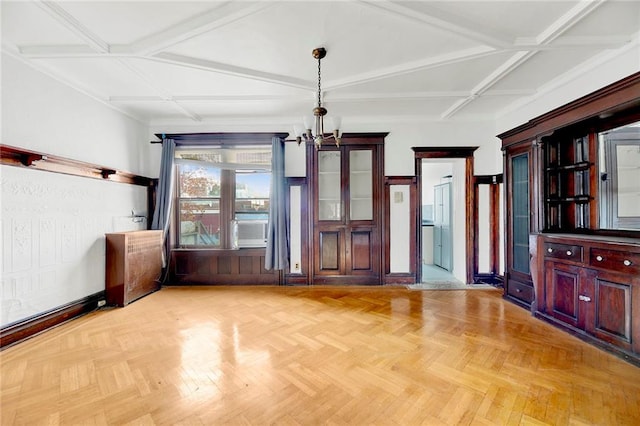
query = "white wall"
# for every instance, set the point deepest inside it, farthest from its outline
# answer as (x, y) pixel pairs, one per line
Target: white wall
(53, 225)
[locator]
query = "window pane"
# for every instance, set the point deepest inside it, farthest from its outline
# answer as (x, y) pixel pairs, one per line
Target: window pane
(252, 195)
(200, 222)
(218, 185)
(198, 180)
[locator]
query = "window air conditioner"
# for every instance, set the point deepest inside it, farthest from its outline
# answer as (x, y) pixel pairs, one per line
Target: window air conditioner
(249, 233)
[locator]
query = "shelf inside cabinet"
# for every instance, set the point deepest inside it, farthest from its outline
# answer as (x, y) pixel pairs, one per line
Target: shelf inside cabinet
(576, 167)
(578, 199)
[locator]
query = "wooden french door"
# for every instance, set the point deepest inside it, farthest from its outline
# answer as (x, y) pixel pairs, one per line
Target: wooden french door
(347, 213)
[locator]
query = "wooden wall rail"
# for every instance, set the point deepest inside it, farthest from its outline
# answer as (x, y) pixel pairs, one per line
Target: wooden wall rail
(20, 157)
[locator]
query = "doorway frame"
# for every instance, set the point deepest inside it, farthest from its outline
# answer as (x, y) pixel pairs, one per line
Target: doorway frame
(466, 153)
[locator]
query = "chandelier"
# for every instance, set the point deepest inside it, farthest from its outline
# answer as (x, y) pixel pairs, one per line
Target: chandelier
(314, 126)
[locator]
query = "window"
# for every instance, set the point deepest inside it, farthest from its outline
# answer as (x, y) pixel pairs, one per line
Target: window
(222, 192)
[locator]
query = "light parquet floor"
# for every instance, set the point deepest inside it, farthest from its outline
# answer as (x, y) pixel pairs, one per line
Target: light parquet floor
(319, 355)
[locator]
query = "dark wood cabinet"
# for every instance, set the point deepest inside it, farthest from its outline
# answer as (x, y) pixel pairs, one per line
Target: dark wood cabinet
(583, 264)
(133, 265)
(591, 287)
(347, 210)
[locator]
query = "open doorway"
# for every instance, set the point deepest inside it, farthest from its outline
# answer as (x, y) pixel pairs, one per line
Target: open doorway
(462, 217)
(442, 183)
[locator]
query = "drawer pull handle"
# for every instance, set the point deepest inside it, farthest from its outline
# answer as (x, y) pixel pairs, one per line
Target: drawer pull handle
(599, 258)
(518, 290)
(627, 262)
(550, 250)
(569, 253)
(584, 298)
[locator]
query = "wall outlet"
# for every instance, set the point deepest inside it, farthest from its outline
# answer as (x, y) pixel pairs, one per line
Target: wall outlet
(296, 266)
(101, 303)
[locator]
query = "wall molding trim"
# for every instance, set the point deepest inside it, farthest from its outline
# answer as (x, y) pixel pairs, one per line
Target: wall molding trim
(20, 157)
(28, 327)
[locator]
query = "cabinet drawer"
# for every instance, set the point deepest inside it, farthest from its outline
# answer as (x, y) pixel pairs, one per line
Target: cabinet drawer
(615, 260)
(563, 251)
(520, 291)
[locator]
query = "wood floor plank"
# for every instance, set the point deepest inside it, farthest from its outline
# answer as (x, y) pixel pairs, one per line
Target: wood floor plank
(311, 355)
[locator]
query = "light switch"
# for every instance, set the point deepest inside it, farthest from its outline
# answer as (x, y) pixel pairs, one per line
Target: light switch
(397, 197)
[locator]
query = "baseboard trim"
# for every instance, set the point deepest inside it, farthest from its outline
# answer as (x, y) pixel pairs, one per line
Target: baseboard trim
(399, 278)
(23, 329)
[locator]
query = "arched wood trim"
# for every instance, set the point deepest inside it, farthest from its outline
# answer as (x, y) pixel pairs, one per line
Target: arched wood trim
(465, 152)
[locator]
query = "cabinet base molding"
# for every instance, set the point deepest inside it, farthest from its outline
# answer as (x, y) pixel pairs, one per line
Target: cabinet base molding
(21, 330)
(587, 338)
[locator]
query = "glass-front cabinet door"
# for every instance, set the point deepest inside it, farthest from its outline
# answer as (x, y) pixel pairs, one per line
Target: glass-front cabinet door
(329, 185)
(361, 184)
(347, 213)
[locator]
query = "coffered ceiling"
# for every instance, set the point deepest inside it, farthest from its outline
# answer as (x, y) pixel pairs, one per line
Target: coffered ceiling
(235, 61)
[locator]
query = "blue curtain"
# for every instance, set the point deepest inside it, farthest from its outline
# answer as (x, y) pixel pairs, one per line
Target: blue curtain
(164, 194)
(277, 255)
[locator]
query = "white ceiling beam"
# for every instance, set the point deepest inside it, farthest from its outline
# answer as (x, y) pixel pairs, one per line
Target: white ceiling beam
(409, 67)
(204, 22)
(552, 32)
(72, 24)
(60, 51)
(442, 20)
(586, 42)
(333, 98)
(203, 64)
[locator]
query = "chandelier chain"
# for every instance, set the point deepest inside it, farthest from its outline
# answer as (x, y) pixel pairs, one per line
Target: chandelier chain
(319, 87)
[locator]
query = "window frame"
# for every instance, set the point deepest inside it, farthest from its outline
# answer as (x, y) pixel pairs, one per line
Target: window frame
(227, 204)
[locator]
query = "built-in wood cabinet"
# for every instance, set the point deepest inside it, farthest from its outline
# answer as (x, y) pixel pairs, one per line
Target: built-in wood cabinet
(591, 286)
(347, 210)
(580, 254)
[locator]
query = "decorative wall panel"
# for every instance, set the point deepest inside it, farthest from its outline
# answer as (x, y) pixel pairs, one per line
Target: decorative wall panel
(53, 228)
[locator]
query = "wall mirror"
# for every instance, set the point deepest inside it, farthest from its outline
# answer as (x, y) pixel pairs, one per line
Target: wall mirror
(619, 171)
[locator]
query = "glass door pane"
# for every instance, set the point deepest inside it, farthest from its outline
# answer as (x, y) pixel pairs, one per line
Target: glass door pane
(360, 185)
(329, 190)
(520, 209)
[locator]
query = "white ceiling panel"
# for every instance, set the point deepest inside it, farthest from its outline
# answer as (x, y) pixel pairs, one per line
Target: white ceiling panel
(231, 108)
(353, 35)
(28, 23)
(486, 107)
(123, 22)
(510, 18)
(444, 78)
(194, 61)
(613, 18)
(102, 76)
(544, 67)
(187, 80)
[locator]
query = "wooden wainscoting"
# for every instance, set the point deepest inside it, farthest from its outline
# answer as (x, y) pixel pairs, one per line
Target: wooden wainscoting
(220, 267)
